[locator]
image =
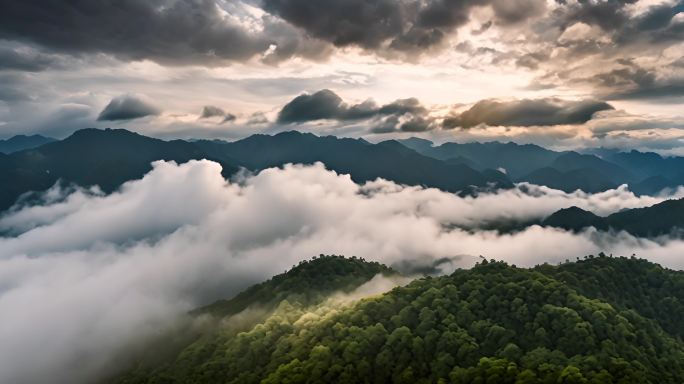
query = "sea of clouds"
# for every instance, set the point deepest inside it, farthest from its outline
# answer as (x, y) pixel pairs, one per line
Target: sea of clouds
(83, 275)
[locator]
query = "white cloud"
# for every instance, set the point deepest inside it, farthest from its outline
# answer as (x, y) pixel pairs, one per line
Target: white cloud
(86, 275)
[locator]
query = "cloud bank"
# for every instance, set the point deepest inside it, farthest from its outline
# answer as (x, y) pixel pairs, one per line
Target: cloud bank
(165, 31)
(526, 113)
(403, 114)
(327, 105)
(84, 275)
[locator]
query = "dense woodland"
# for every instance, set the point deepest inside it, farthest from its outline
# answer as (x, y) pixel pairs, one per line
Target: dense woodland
(597, 320)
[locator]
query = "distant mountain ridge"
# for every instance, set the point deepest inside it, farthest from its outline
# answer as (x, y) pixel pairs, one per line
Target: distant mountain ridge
(591, 171)
(363, 161)
(21, 142)
(111, 157)
(106, 158)
(660, 219)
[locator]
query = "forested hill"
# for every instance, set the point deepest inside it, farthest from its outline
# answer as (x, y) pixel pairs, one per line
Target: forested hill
(665, 218)
(307, 283)
(597, 320)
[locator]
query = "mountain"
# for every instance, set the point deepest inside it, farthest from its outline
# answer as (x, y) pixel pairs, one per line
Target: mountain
(417, 144)
(107, 158)
(111, 157)
(660, 219)
(597, 320)
(645, 164)
(586, 179)
(567, 171)
(362, 160)
(516, 159)
(593, 170)
(21, 142)
(653, 185)
(463, 160)
(575, 219)
(305, 285)
(309, 282)
(573, 161)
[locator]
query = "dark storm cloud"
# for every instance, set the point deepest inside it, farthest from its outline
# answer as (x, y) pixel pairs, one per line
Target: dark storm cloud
(656, 26)
(661, 89)
(400, 25)
(526, 112)
(405, 123)
(517, 11)
(211, 111)
(127, 107)
(324, 104)
(532, 60)
(228, 118)
(416, 124)
(631, 81)
(631, 76)
(24, 60)
(607, 14)
(620, 37)
(327, 105)
(366, 23)
(167, 31)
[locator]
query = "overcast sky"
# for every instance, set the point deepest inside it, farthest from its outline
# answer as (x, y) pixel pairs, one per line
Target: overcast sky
(560, 73)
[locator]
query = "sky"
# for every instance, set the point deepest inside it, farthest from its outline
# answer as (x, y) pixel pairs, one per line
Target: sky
(564, 74)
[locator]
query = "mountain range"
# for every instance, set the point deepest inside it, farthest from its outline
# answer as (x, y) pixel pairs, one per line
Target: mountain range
(593, 171)
(666, 218)
(597, 320)
(111, 157)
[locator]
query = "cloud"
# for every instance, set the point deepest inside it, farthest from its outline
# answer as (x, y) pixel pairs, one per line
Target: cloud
(165, 31)
(401, 26)
(368, 24)
(657, 25)
(271, 30)
(630, 80)
(229, 117)
(324, 104)
(609, 15)
(209, 111)
(526, 112)
(128, 107)
(182, 236)
(24, 59)
(402, 114)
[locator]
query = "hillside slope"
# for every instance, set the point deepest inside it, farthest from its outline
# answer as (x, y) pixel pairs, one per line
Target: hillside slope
(494, 323)
(666, 218)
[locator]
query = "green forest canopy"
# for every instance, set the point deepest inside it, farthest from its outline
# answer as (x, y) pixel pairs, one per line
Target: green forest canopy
(597, 320)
